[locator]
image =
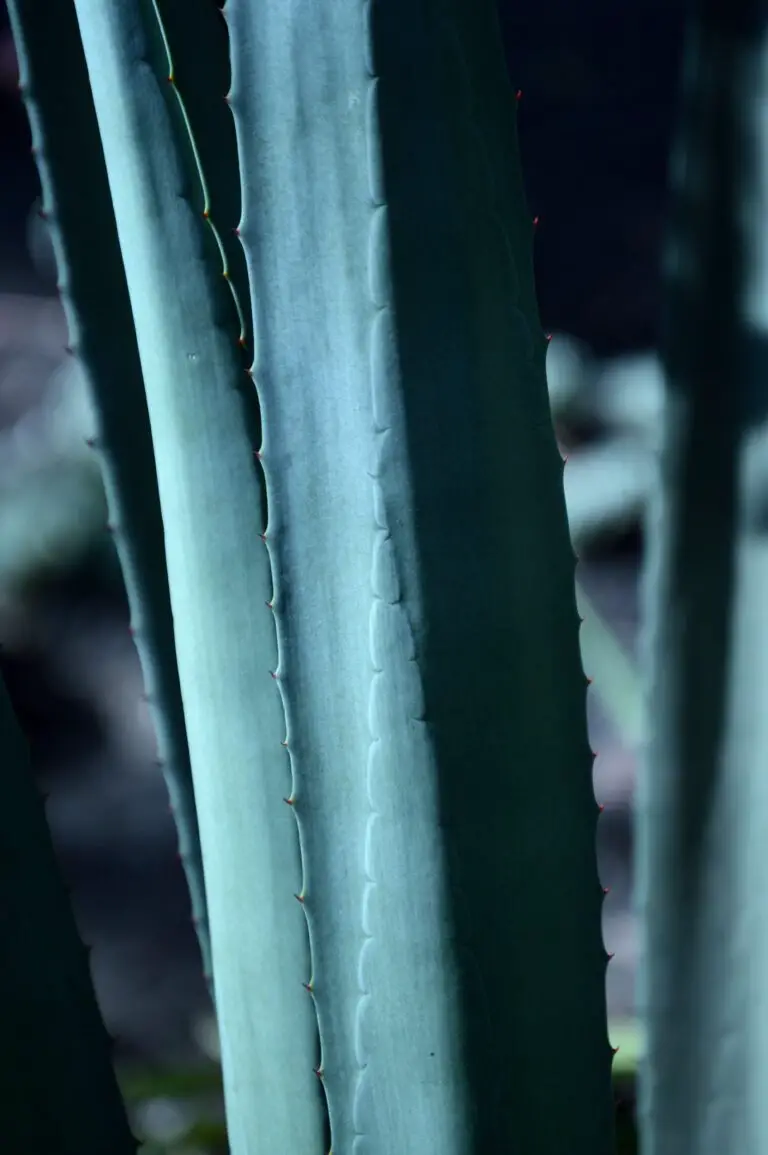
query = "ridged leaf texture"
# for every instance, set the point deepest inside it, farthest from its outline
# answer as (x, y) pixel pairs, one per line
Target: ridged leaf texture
(369, 565)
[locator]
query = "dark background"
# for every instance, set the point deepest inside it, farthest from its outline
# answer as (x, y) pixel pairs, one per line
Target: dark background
(598, 80)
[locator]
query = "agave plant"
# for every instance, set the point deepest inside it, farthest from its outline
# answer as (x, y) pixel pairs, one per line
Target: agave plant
(295, 255)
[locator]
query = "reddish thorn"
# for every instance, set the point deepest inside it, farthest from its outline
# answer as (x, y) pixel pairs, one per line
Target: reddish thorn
(319, 1072)
(612, 954)
(90, 442)
(299, 898)
(601, 807)
(270, 605)
(589, 680)
(615, 1050)
(606, 890)
(236, 231)
(285, 743)
(263, 537)
(548, 336)
(273, 674)
(43, 214)
(207, 217)
(288, 801)
(308, 987)
(519, 94)
(240, 340)
(536, 222)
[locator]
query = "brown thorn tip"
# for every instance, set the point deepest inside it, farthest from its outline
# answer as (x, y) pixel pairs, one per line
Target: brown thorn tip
(606, 890)
(299, 898)
(288, 801)
(519, 94)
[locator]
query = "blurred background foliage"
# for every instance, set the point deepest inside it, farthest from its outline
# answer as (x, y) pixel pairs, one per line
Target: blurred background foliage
(598, 87)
